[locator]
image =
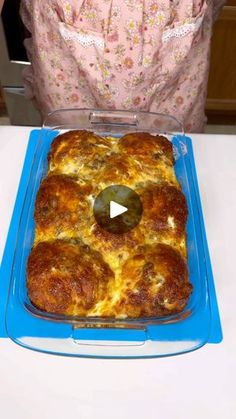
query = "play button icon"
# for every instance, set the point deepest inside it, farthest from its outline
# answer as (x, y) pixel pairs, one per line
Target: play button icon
(117, 209)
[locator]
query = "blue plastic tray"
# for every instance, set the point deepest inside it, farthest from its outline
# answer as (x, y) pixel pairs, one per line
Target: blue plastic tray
(202, 326)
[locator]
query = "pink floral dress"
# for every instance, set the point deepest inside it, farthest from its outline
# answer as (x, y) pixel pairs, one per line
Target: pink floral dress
(150, 55)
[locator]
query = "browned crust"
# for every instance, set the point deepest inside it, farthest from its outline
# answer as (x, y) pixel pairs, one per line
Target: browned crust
(109, 242)
(65, 278)
(160, 203)
(119, 169)
(61, 206)
(81, 149)
(158, 264)
(144, 145)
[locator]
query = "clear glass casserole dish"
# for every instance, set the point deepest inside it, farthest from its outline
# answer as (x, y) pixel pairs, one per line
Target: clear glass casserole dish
(108, 336)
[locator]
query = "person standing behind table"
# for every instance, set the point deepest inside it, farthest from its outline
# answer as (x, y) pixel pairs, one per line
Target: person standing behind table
(150, 55)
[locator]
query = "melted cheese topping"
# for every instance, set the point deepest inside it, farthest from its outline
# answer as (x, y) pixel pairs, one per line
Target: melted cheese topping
(143, 272)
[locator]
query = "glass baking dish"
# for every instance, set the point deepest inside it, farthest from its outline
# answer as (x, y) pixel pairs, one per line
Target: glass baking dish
(108, 336)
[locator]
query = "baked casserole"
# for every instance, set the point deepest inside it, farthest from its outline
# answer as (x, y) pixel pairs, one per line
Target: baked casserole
(77, 268)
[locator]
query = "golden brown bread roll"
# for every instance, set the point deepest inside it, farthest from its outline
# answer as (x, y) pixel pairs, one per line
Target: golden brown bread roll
(155, 282)
(66, 278)
(164, 216)
(153, 154)
(146, 146)
(80, 153)
(62, 208)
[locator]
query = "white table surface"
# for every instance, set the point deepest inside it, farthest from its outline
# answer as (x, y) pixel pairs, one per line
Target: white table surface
(197, 385)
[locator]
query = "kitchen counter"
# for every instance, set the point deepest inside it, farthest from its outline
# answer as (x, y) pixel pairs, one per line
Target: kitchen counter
(197, 384)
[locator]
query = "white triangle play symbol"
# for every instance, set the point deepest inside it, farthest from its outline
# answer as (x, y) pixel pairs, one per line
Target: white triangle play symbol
(116, 209)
